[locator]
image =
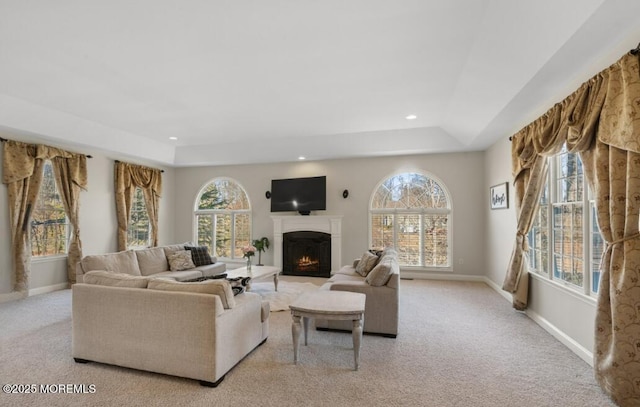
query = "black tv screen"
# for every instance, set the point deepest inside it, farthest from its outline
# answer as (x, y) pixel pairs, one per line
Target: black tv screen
(299, 194)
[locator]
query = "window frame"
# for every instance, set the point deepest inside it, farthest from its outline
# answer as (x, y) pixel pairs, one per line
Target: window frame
(422, 211)
(39, 258)
(588, 216)
(214, 212)
(146, 211)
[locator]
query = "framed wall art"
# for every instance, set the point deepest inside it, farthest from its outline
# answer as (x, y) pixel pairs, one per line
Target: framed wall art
(500, 196)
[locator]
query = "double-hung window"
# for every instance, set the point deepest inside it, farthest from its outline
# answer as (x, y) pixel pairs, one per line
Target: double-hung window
(139, 228)
(565, 244)
(50, 229)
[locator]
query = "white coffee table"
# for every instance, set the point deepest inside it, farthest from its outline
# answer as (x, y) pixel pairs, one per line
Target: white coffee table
(256, 273)
(332, 305)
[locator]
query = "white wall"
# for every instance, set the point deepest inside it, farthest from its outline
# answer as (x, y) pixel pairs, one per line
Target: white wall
(566, 314)
(462, 174)
(97, 220)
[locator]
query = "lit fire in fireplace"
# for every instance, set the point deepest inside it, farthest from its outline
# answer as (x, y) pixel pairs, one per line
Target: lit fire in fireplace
(305, 263)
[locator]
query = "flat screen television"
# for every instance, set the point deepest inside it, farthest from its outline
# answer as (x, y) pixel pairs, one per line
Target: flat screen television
(299, 194)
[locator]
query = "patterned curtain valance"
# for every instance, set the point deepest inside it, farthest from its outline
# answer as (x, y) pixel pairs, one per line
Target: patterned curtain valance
(19, 161)
(138, 176)
(606, 107)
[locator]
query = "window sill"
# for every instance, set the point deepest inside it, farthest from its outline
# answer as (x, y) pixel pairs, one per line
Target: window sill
(47, 259)
(565, 288)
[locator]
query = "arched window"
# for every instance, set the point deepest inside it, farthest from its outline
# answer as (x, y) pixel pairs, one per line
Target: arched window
(412, 212)
(223, 218)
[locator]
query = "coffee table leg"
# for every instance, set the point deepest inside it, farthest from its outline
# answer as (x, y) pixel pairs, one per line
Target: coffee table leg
(357, 337)
(295, 332)
(275, 281)
(305, 321)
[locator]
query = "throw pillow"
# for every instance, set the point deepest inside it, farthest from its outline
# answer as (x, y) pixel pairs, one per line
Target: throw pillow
(381, 273)
(200, 255)
(366, 263)
(221, 288)
(101, 277)
(180, 260)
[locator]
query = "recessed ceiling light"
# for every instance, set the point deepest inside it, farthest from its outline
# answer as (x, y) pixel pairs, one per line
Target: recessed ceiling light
(302, 157)
(173, 138)
(411, 117)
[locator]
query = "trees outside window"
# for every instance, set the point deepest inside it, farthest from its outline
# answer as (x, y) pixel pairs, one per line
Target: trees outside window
(412, 212)
(223, 218)
(139, 228)
(565, 244)
(50, 229)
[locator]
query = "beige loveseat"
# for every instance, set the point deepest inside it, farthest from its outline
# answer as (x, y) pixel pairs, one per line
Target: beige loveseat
(379, 279)
(151, 262)
(169, 327)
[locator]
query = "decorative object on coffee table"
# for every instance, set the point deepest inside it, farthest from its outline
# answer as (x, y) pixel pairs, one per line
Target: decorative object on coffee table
(258, 272)
(261, 245)
(249, 252)
(325, 304)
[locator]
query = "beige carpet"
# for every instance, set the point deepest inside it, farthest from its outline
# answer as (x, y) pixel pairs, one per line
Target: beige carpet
(460, 344)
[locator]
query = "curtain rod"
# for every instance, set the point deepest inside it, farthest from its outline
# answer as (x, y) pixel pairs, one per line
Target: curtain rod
(118, 161)
(634, 51)
(2, 139)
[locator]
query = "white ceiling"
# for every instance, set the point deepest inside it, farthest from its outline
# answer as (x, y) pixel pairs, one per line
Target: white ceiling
(241, 81)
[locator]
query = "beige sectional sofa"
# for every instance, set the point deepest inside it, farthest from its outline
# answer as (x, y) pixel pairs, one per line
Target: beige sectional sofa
(196, 330)
(151, 262)
(377, 276)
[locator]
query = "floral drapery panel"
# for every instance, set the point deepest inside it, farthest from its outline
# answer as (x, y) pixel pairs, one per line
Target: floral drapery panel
(22, 173)
(601, 121)
(127, 178)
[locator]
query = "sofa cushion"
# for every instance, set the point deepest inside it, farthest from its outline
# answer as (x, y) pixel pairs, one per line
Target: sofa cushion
(345, 277)
(381, 273)
(184, 275)
(366, 264)
(180, 260)
(212, 269)
(120, 262)
(221, 288)
(152, 261)
(200, 255)
(101, 277)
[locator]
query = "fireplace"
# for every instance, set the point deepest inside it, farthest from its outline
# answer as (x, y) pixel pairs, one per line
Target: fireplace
(327, 224)
(306, 253)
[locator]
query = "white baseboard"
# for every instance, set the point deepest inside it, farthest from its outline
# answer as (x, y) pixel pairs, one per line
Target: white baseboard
(566, 340)
(48, 289)
(421, 275)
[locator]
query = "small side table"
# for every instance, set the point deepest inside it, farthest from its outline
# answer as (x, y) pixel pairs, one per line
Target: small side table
(331, 305)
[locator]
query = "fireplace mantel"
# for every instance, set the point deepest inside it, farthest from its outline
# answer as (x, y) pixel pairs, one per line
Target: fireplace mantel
(318, 223)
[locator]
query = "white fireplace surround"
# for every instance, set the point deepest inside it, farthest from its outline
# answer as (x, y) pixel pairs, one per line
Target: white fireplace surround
(311, 223)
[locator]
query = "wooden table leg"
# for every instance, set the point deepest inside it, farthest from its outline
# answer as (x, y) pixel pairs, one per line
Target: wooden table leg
(357, 337)
(295, 332)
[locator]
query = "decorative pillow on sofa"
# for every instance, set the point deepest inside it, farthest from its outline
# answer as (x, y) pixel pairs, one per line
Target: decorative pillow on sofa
(382, 272)
(366, 263)
(221, 288)
(180, 260)
(200, 255)
(101, 277)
